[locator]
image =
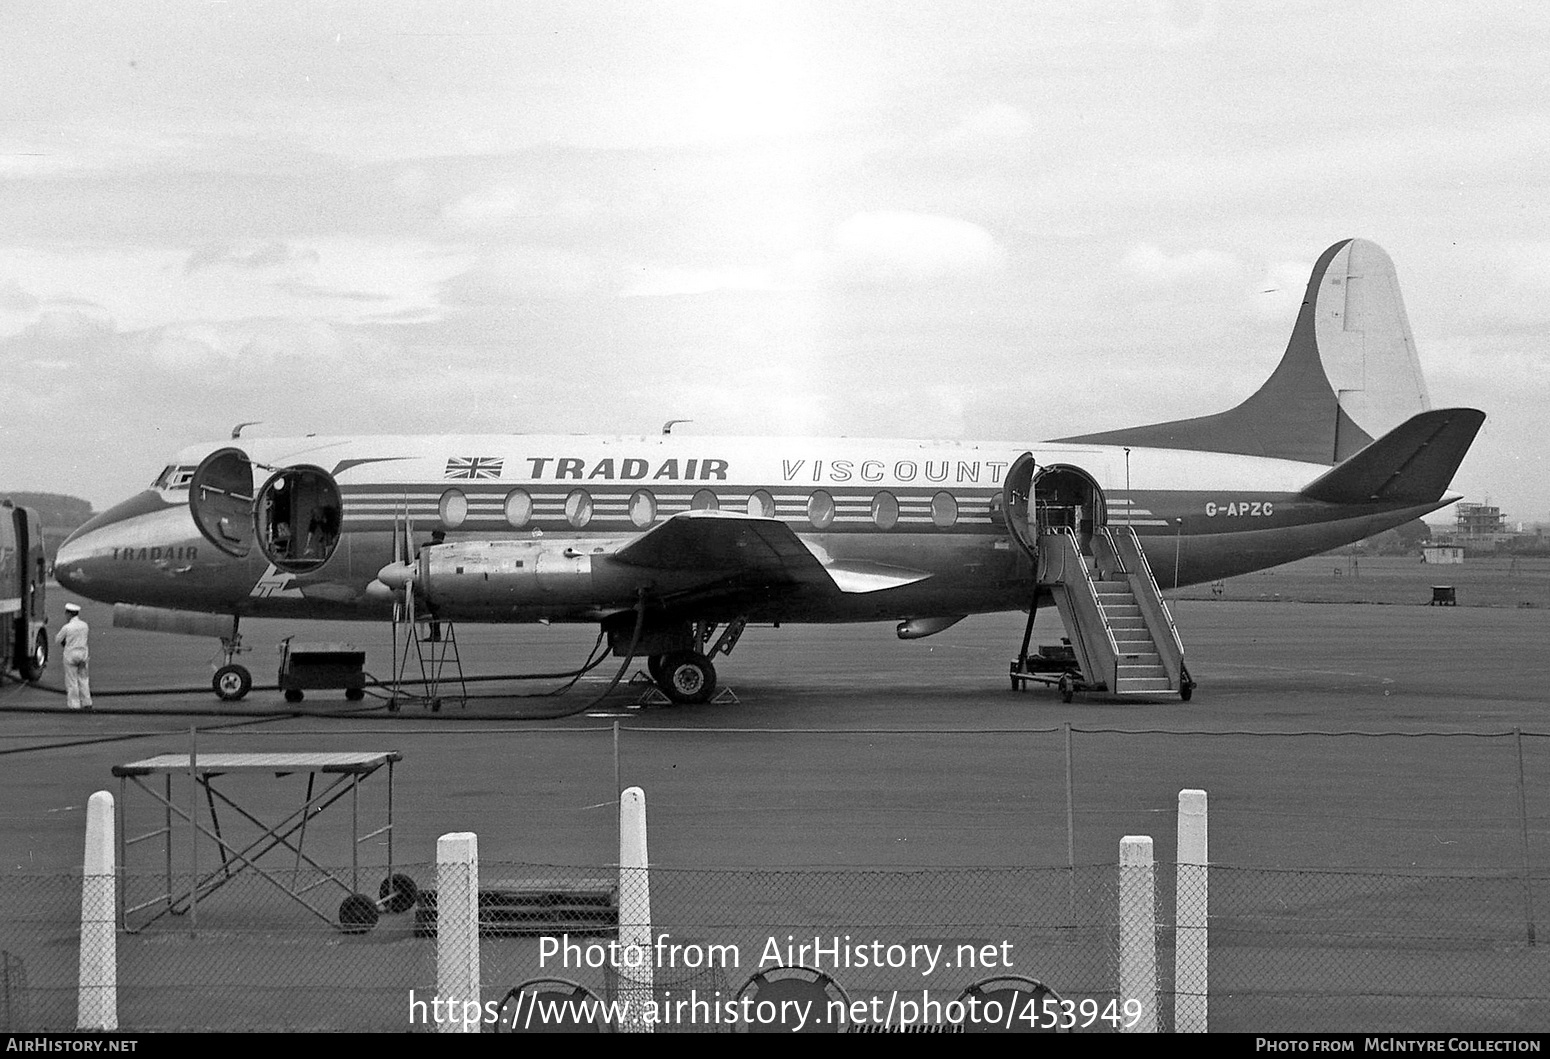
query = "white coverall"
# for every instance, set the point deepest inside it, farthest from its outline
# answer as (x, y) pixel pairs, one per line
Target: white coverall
(72, 637)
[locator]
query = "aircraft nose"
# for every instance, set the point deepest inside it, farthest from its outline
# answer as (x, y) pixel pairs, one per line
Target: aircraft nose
(84, 562)
(72, 560)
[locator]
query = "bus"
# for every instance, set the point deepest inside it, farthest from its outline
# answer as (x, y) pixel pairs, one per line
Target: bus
(23, 622)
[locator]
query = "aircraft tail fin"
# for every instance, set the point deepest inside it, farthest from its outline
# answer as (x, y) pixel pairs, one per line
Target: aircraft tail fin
(1349, 374)
(1412, 463)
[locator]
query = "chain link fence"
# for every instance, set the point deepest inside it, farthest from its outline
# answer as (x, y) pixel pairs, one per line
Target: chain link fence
(1288, 950)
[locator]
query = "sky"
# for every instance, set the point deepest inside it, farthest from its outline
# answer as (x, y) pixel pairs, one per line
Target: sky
(988, 221)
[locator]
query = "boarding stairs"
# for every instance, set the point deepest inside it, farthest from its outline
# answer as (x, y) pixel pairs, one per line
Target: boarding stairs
(1120, 630)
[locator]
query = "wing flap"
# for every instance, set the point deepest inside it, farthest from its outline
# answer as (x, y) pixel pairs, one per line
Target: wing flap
(722, 542)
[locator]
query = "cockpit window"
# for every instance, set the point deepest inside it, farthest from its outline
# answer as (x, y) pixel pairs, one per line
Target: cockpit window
(174, 476)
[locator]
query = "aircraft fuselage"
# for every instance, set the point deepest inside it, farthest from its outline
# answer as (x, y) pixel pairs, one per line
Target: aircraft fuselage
(931, 507)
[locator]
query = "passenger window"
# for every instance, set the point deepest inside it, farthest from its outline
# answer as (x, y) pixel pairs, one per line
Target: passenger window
(705, 500)
(944, 510)
(820, 509)
(885, 511)
(453, 508)
(519, 508)
(761, 505)
(578, 508)
(643, 508)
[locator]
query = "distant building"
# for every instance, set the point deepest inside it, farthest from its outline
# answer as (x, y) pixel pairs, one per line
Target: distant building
(1442, 553)
(1478, 526)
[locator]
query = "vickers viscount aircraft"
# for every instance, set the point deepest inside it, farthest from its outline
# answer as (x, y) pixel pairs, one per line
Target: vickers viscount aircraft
(663, 539)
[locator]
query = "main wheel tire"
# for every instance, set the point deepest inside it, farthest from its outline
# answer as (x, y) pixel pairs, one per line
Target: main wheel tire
(399, 892)
(355, 694)
(231, 682)
(689, 678)
(357, 914)
(293, 695)
(654, 667)
(37, 659)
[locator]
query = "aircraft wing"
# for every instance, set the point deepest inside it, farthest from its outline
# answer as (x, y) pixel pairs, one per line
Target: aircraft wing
(724, 543)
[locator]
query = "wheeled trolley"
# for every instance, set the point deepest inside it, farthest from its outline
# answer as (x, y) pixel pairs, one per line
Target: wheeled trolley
(322, 665)
(330, 777)
(1054, 664)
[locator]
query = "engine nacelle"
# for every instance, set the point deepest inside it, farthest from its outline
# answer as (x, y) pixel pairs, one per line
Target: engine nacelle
(495, 575)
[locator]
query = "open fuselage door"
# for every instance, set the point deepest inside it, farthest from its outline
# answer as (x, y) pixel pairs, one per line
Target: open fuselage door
(220, 498)
(293, 519)
(1016, 492)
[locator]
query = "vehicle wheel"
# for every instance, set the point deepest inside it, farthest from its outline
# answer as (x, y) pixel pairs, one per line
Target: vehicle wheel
(293, 695)
(355, 694)
(690, 678)
(231, 682)
(37, 660)
(1067, 688)
(1186, 685)
(654, 667)
(357, 914)
(399, 892)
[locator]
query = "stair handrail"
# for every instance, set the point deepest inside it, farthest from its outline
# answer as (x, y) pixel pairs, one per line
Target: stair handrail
(1146, 571)
(1075, 548)
(1108, 535)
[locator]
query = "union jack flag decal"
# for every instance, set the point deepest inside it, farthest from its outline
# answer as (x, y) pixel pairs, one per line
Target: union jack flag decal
(474, 467)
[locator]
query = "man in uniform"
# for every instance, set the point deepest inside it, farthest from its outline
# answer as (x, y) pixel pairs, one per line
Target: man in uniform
(72, 637)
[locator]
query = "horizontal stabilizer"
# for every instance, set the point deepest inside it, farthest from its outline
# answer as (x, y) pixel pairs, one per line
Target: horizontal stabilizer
(1412, 463)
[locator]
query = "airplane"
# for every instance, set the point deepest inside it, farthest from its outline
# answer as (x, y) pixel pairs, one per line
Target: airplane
(661, 539)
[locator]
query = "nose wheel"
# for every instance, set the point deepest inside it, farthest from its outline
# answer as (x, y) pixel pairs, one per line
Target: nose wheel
(231, 682)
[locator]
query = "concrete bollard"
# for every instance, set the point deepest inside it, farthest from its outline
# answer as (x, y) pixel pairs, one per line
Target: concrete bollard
(1190, 954)
(636, 982)
(1138, 930)
(457, 931)
(97, 1000)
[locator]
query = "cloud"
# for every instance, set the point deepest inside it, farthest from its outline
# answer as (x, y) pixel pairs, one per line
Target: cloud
(897, 248)
(1278, 296)
(259, 256)
(516, 272)
(994, 129)
(666, 282)
(1150, 263)
(338, 280)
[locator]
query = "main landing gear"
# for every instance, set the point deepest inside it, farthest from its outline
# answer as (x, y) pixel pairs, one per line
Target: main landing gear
(688, 677)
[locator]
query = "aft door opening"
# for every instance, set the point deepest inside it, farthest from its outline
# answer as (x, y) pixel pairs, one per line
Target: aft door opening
(1068, 498)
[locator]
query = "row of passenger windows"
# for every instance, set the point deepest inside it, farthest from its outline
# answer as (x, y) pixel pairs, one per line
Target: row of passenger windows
(642, 508)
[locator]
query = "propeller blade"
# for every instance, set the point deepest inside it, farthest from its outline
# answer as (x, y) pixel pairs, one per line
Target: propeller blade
(409, 555)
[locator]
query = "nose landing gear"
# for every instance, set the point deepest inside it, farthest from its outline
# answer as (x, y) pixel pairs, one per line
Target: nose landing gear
(231, 681)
